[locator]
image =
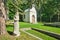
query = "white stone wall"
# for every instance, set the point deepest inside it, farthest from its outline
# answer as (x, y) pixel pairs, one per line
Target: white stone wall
(33, 12)
(27, 18)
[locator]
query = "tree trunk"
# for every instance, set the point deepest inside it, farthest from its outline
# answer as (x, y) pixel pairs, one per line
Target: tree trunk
(7, 12)
(50, 19)
(2, 18)
(16, 24)
(58, 17)
(40, 18)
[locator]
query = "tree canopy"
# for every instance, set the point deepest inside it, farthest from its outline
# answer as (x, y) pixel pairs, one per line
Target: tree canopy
(46, 9)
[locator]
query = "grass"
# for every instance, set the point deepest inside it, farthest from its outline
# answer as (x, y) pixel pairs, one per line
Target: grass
(23, 36)
(40, 35)
(25, 25)
(40, 26)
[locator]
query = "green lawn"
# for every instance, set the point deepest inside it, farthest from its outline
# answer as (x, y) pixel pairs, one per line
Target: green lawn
(23, 36)
(40, 35)
(40, 26)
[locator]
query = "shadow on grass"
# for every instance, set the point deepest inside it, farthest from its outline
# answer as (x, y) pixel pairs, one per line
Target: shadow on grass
(57, 25)
(48, 33)
(10, 32)
(9, 25)
(10, 29)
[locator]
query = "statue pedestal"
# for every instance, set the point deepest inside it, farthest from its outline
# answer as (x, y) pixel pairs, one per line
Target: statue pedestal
(16, 28)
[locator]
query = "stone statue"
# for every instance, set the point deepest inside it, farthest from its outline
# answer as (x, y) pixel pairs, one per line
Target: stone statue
(16, 24)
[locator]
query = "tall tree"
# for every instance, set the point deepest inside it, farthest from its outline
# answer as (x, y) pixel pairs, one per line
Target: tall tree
(2, 18)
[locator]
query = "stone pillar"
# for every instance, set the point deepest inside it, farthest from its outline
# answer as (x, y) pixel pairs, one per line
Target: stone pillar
(16, 24)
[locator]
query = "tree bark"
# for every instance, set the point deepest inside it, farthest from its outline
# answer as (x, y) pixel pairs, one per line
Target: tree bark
(58, 17)
(2, 18)
(50, 19)
(40, 18)
(16, 24)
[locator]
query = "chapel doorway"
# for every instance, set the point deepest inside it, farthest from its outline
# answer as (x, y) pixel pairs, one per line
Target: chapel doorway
(33, 19)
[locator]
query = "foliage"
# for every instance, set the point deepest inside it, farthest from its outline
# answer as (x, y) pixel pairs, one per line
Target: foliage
(46, 9)
(13, 5)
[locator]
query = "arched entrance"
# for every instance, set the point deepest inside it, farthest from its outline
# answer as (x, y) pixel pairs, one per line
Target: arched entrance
(33, 19)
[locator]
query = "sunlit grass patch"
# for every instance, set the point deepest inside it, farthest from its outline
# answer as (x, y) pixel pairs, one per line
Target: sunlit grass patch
(40, 26)
(41, 35)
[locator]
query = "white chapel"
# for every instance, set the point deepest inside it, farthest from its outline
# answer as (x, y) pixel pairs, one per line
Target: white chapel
(31, 15)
